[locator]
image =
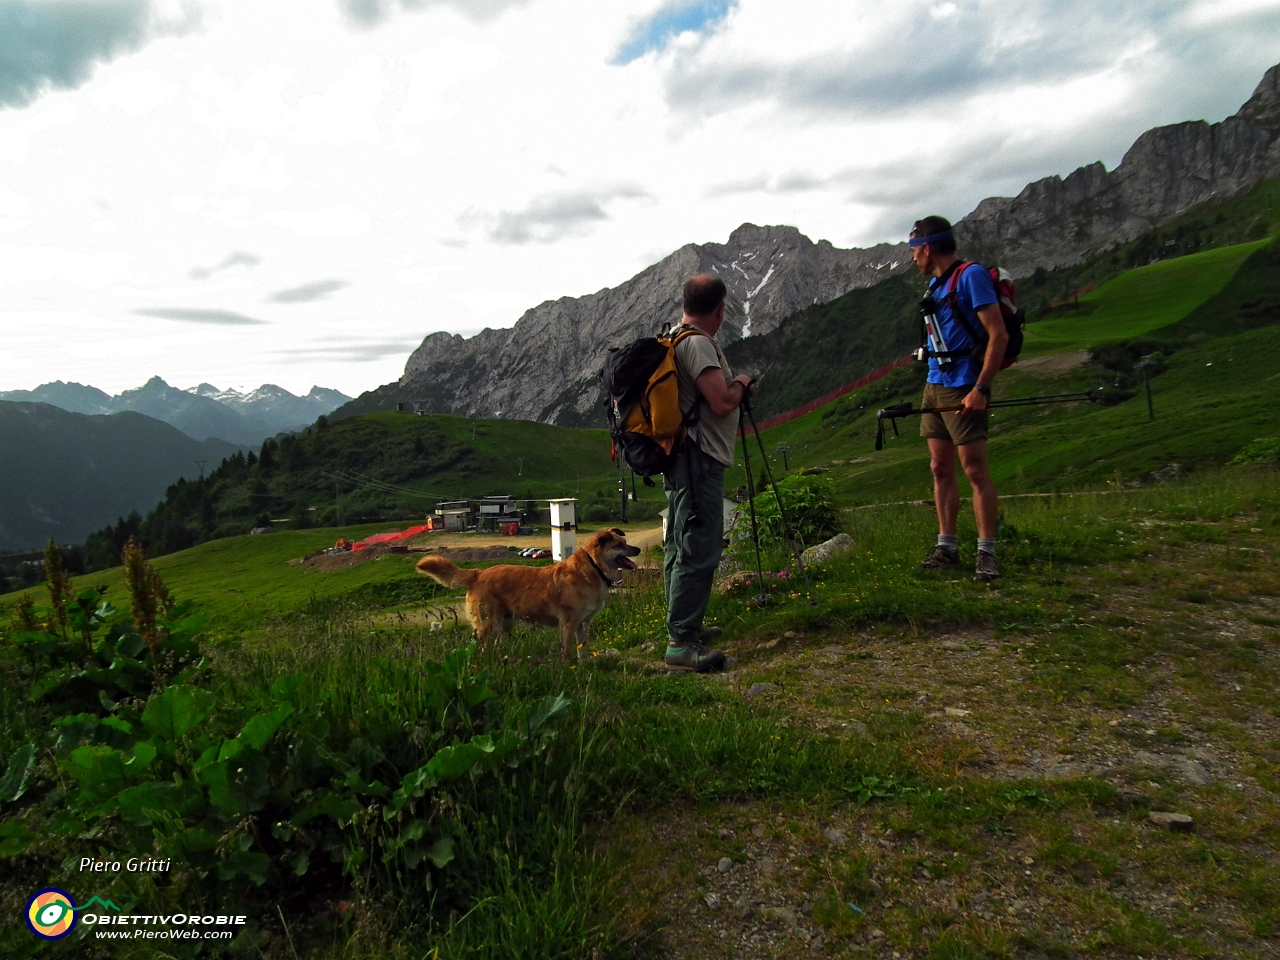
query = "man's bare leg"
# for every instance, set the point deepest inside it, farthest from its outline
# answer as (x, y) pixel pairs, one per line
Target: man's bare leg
(973, 458)
(946, 492)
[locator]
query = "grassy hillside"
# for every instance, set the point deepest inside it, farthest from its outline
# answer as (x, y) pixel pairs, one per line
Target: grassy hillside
(1213, 396)
(1217, 223)
(382, 466)
(64, 474)
(827, 345)
(246, 583)
(1139, 301)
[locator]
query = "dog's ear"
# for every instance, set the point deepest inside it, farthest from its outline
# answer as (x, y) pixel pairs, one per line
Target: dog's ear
(616, 532)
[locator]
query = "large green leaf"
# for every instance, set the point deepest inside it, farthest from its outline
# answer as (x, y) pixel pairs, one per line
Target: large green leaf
(450, 763)
(259, 729)
(14, 839)
(97, 768)
(283, 688)
(414, 785)
(237, 786)
(547, 710)
(175, 711)
(441, 852)
(148, 802)
(245, 864)
(341, 809)
(18, 774)
(143, 753)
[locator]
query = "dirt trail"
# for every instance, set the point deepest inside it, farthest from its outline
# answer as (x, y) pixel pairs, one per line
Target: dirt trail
(1190, 724)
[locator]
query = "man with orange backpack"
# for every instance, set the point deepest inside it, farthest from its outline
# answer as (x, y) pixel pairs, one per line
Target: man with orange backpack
(966, 340)
(710, 396)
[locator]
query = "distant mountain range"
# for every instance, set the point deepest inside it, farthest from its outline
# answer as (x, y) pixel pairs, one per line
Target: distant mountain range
(202, 413)
(64, 475)
(545, 367)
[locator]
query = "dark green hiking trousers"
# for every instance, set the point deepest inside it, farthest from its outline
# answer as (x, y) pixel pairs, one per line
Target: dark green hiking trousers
(694, 541)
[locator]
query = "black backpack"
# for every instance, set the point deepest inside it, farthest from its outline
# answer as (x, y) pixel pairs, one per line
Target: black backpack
(642, 400)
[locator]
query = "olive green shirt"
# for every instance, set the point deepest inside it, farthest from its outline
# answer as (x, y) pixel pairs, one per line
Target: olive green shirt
(713, 435)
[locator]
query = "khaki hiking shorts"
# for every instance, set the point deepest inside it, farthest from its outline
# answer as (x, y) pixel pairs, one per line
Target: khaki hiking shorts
(951, 426)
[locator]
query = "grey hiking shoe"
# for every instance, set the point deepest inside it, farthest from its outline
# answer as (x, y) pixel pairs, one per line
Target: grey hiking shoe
(941, 558)
(693, 656)
(987, 568)
(706, 634)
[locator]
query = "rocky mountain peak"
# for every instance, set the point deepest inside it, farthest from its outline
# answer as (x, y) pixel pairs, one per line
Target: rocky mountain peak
(1058, 222)
(153, 386)
(1264, 106)
(545, 367)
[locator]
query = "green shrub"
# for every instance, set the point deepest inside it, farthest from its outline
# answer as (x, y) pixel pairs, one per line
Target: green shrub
(1262, 450)
(809, 510)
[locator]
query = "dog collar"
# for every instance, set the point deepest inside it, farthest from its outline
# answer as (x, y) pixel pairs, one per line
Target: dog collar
(607, 581)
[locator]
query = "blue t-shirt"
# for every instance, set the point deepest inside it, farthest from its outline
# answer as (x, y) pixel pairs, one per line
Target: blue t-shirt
(973, 291)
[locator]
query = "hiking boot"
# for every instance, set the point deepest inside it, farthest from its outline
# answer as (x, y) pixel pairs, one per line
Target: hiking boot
(693, 656)
(987, 568)
(706, 634)
(941, 558)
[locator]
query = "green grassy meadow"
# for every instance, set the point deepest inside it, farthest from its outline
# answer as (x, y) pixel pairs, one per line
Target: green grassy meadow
(916, 765)
(1213, 397)
(1140, 301)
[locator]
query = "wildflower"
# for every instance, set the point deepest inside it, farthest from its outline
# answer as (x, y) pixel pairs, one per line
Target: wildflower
(148, 595)
(59, 583)
(24, 617)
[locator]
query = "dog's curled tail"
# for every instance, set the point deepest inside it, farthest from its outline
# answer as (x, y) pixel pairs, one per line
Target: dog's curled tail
(438, 568)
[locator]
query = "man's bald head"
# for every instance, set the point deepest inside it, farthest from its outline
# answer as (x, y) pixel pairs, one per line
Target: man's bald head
(702, 294)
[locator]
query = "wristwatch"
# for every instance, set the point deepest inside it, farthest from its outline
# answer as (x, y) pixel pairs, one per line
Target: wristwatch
(985, 391)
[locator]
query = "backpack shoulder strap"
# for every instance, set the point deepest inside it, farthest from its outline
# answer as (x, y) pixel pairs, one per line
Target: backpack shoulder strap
(685, 330)
(952, 297)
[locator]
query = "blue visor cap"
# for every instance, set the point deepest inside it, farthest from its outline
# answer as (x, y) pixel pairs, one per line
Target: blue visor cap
(932, 238)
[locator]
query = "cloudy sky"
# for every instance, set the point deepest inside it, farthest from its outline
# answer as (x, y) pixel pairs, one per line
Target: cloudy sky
(276, 191)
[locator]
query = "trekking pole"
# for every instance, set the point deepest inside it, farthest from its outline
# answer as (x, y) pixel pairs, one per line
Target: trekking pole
(906, 410)
(787, 529)
(762, 599)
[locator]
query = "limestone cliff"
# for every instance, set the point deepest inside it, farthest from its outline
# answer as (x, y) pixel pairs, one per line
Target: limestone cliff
(1056, 223)
(544, 368)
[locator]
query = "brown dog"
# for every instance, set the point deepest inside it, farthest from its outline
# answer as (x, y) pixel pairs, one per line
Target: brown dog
(568, 594)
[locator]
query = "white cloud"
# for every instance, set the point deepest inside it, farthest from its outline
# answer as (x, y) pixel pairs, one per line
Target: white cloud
(440, 77)
(1209, 13)
(331, 223)
(17, 134)
(459, 163)
(255, 104)
(257, 168)
(15, 211)
(135, 92)
(346, 112)
(32, 265)
(550, 217)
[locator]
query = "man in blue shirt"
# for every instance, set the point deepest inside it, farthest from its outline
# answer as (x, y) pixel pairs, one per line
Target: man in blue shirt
(966, 351)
